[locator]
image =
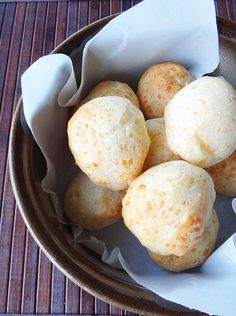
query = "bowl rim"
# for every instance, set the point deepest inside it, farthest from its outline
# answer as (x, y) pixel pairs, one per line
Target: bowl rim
(82, 278)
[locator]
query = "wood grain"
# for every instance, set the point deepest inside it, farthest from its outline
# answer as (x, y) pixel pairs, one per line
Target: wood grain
(19, 230)
(43, 291)
(72, 301)
(57, 292)
(30, 284)
(72, 18)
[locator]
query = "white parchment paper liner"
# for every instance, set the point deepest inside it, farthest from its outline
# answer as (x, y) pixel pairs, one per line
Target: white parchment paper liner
(152, 31)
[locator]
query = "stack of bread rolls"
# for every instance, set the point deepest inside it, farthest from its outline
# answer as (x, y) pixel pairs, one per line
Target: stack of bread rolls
(142, 158)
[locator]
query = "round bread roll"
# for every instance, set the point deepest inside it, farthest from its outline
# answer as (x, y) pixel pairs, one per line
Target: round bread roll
(159, 151)
(90, 205)
(109, 141)
(168, 206)
(158, 85)
(200, 121)
(196, 255)
(224, 176)
(110, 88)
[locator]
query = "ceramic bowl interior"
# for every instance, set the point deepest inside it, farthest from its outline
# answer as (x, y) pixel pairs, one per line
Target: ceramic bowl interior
(27, 168)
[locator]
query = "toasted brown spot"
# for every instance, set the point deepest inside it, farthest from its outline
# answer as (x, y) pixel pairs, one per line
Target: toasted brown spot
(142, 186)
(196, 220)
(206, 251)
(102, 183)
(190, 181)
(124, 162)
(149, 207)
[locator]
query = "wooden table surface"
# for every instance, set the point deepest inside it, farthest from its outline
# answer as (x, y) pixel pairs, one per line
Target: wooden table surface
(29, 283)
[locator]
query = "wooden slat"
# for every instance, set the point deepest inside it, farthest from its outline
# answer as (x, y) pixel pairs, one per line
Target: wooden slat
(72, 302)
(105, 8)
(43, 294)
(49, 35)
(61, 23)
(113, 310)
(2, 13)
(28, 300)
(18, 239)
(6, 224)
(31, 249)
(125, 5)
(7, 203)
(83, 14)
(39, 31)
(222, 8)
(4, 46)
(87, 301)
(26, 47)
(115, 6)
(16, 265)
(5, 115)
(93, 10)
(57, 292)
(101, 308)
(231, 9)
(72, 18)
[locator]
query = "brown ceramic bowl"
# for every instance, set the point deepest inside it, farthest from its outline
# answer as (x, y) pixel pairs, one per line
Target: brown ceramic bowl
(82, 266)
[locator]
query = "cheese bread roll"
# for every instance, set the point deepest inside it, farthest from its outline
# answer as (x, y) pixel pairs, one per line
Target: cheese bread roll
(200, 121)
(168, 206)
(159, 151)
(224, 176)
(110, 88)
(194, 257)
(158, 85)
(91, 206)
(109, 141)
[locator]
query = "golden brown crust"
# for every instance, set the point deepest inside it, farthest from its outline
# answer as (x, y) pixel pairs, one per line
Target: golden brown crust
(90, 206)
(196, 256)
(167, 208)
(109, 141)
(109, 88)
(200, 121)
(159, 151)
(224, 176)
(158, 85)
